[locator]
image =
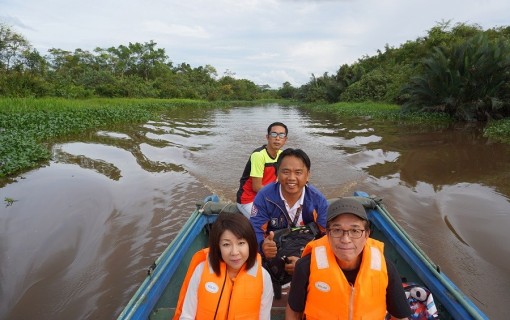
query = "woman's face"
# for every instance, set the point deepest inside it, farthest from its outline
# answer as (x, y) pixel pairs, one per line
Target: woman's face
(234, 251)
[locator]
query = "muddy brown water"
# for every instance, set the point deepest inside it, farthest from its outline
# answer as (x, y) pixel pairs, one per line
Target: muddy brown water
(82, 230)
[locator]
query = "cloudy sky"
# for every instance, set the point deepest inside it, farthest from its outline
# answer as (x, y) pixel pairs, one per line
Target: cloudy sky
(265, 41)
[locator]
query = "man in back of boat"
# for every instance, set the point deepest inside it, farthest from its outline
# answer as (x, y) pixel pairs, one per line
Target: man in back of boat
(292, 205)
(344, 275)
(261, 167)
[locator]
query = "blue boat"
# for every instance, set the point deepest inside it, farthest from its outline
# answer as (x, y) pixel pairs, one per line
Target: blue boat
(157, 296)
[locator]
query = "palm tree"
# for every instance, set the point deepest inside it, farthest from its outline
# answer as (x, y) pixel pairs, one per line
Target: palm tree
(469, 81)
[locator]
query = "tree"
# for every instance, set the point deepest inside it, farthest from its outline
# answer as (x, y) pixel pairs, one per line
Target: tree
(12, 47)
(372, 87)
(287, 91)
(22, 69)
(468, 80)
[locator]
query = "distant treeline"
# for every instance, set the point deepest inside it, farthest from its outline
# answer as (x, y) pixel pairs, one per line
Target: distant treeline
(461, 70)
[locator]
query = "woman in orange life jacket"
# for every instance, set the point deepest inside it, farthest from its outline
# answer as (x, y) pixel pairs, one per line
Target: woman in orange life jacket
(226, 280)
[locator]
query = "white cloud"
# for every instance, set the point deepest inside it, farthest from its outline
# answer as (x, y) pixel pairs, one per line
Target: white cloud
(183, 31)
(263, 56)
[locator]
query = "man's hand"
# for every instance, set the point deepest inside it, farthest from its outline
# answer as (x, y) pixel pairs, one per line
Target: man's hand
(269, 246)
(289, 266)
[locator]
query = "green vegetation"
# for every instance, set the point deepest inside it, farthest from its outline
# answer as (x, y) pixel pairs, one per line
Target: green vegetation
(9, 201)
(27, 125)
(136, 70)
(498, 130)
(466, 80)
(460, 70)
(454, 73)
(457, 72)
(381, 111)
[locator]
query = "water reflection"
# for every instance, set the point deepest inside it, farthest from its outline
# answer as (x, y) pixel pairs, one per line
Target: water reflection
(105, 168)
(449, 156)
(78, 239)
(85, 227)
(466, 209)
(368, 159)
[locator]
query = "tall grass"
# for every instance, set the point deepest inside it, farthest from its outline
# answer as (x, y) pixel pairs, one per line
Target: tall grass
(380, 111)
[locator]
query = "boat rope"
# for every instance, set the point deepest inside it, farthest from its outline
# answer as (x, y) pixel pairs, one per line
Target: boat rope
(151, 268)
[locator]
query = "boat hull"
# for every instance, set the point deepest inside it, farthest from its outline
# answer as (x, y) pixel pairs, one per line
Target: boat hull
(157, 296)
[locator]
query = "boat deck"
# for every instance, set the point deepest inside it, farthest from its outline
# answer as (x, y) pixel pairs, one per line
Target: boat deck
(278, 308)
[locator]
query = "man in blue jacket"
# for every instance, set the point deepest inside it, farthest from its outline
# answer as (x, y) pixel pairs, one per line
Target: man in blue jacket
(288, 203)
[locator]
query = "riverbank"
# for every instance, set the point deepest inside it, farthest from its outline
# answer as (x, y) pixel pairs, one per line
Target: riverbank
(497, 130)
(29, 126)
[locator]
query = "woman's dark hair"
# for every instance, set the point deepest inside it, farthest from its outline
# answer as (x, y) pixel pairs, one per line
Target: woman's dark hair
(298, 153)
(277, 124)
(241, 228)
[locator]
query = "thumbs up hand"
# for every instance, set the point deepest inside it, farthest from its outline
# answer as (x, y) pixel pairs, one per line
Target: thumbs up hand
(269, 246)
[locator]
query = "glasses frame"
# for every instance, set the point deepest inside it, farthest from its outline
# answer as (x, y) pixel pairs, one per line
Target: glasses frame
(348, 232)
(281, 135)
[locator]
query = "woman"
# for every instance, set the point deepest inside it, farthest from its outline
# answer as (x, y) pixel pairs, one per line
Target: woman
(226, 280)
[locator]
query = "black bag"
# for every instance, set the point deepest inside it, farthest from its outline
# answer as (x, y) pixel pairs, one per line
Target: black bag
(290, 242)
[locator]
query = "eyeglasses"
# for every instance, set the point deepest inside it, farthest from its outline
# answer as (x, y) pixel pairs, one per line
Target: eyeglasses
(352, 233)
(276, 134)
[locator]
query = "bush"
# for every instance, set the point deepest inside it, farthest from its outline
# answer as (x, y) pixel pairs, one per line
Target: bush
(372, 87)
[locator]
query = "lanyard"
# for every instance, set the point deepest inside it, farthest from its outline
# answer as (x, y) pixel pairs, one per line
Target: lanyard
(296, 217)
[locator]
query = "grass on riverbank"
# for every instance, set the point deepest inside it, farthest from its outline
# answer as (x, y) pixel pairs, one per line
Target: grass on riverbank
(381, 111)
(26, 125)
(498, 130)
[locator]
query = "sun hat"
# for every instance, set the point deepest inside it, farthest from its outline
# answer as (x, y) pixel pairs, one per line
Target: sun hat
(346, 205)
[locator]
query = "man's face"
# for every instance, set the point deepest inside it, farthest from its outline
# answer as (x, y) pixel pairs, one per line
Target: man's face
(292, 175)
(347, 250)
(276, 143)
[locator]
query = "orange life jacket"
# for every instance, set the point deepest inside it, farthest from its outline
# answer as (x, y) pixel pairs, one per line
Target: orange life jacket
(239, 298)
(330, 296)
(197, 258)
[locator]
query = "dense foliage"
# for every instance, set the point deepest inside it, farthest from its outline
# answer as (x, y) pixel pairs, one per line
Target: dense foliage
(138, 70)
(463, 71)
(469, 81)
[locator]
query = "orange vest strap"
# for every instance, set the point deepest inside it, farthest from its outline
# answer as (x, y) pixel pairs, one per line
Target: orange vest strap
(198, 258)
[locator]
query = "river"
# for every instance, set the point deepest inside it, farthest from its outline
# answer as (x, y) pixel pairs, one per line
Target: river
(81, 231)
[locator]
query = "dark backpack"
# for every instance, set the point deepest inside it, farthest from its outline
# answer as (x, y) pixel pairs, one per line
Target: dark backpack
(290, 242)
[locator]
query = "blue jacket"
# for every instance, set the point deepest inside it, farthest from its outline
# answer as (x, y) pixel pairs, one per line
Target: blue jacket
(269, 212)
